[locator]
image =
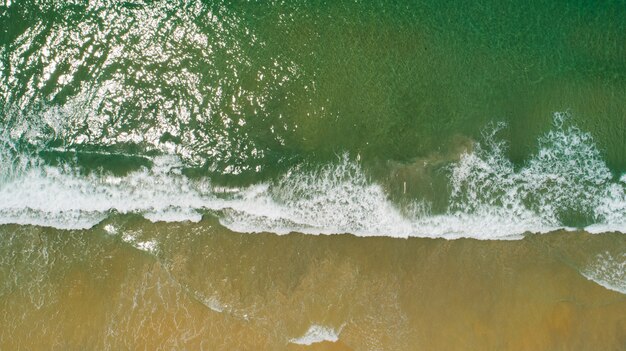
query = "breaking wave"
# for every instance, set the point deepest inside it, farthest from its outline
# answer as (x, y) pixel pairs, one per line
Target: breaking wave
(564, 184)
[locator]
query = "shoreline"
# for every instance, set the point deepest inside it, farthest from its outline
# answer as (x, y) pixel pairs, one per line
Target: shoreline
(262, 290)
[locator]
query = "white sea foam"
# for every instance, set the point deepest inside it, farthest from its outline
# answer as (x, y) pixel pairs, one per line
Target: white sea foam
(134, 239)
(612, 209)
(148, 246)
(609, 271)
(174, 215)
(62, 198)
(566, 175)
(214, 304)
(315, 334)
(335, 199)
(490, 198)
(110, 229)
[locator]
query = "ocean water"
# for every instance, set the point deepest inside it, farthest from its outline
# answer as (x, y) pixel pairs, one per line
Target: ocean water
(336, 175)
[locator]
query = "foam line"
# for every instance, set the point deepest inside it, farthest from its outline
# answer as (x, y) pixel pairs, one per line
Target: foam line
(316, 334)
(490, 198)
(608, 271)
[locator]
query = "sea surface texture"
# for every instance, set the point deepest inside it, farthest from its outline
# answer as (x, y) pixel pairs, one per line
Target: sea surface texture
(171, 174)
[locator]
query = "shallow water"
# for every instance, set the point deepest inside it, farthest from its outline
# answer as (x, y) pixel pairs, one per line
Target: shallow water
(202, 286)
(170, 172)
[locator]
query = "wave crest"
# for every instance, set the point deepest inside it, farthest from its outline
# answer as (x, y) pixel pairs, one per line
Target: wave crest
(566, 183)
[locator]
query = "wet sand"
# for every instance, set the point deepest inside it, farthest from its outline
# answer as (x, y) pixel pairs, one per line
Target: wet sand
(201, 286)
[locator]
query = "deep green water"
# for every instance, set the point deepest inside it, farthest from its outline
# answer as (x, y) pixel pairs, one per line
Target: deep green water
(253, 89)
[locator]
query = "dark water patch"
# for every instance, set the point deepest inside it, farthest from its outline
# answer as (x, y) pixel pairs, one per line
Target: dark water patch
(87, 162)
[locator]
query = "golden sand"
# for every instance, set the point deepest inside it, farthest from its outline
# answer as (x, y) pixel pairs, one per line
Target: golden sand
(204, 287)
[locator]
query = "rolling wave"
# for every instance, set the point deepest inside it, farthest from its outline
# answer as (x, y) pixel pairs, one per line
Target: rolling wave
(565, 184)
